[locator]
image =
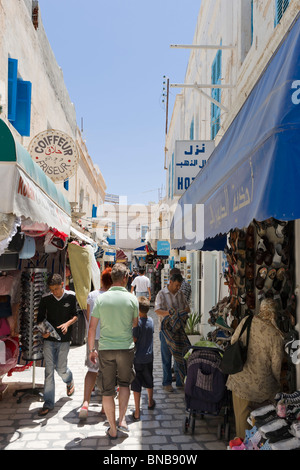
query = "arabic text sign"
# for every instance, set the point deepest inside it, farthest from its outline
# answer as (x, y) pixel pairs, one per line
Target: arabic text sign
(163, 248)
(190, 157)
(56, 154)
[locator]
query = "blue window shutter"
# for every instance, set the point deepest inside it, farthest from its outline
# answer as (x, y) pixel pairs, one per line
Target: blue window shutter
(251, 22)
(23, 108)
(66, 184)
(94, 211)
(216, 94)
(192, 130)
(280, 7)
(12, 88)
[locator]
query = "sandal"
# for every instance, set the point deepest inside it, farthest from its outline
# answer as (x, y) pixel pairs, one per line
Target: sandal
(135, 419)
(123, 428)
(70, 389)
(152, 406)
(108, 435)
(83, 413)
(260, 278)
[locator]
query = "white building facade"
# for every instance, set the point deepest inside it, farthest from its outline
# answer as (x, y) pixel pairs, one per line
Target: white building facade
(233, 42)
(34, 99)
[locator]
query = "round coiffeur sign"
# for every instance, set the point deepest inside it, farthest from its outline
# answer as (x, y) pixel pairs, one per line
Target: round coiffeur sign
(55, 152)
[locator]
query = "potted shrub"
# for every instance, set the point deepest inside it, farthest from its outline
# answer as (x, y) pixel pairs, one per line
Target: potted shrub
(191, 327)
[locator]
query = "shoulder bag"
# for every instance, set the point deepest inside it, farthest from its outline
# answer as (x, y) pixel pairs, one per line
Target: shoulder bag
(235, 355)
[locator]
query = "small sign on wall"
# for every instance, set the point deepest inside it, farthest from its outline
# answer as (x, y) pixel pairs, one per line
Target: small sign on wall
(55, 152)
(190, 158)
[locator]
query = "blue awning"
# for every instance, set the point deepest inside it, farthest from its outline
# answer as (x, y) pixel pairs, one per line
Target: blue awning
(254, 172)
(140, 251)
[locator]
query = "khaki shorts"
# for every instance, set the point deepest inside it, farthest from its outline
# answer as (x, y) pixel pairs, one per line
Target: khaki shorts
(115, 367)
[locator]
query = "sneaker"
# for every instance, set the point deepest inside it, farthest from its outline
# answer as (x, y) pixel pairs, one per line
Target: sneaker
(287, 444)
(261, 413)
(249, 434)
(254, 440)
(274, 425)
(279, 435)
(295, 429)
(266, 446)
(265, 419)
(289, 398)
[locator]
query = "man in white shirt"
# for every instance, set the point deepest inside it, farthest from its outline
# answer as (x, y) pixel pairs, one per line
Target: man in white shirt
(142, 285)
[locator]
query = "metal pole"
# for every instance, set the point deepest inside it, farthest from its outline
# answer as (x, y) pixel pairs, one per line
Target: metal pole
(200, 85)
(201, 46)
(167, 117)
(167, 105)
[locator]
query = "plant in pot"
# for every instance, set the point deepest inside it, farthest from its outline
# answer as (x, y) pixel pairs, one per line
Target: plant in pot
(191, 327)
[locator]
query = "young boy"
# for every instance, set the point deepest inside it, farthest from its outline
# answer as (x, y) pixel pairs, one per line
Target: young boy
(143, 361)
(59, 308)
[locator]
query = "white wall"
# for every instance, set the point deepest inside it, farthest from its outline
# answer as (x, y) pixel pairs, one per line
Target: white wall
(51, 105)
(227, 22)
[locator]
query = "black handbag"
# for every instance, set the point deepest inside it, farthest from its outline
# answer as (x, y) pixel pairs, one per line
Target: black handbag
(235, 355)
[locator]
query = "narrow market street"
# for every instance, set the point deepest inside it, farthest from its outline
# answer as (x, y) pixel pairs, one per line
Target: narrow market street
(150, 149)
(161, 429)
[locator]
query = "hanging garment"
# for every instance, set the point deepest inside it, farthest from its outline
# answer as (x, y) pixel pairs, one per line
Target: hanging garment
(173, 329)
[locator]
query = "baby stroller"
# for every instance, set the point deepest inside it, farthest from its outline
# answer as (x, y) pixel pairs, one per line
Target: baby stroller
(205, 390)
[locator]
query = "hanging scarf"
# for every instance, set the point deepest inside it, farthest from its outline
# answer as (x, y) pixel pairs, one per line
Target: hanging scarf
(172, 327)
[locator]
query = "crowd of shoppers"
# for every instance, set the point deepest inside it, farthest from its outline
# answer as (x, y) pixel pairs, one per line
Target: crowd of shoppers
(120, 347)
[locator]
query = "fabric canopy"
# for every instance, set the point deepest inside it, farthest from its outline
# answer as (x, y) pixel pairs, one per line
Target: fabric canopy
(254, 172)
(25, 190)
(121, 256)
(140, 251)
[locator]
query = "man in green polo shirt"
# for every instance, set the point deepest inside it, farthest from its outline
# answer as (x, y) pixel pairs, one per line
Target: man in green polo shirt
(118, 312)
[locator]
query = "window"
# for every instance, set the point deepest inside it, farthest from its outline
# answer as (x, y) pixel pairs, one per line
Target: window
(112, 239)
(66, 184)
(216, 94)
(19, 100)
(280, 7)
(169, 185)
(172, 175)
(144, 230)
(192, 130)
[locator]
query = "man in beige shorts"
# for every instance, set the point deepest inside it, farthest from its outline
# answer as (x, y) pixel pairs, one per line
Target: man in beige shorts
(118, 312)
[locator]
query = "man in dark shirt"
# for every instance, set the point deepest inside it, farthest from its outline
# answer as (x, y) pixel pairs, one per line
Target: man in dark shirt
(59, 308)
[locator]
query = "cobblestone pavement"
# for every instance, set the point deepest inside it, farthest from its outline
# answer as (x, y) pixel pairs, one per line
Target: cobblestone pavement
(159, 429)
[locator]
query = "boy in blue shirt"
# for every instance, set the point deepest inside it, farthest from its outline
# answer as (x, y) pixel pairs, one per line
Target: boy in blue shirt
(143, 361)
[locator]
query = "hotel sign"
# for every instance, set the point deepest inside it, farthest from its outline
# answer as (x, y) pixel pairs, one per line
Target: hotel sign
(190, 157)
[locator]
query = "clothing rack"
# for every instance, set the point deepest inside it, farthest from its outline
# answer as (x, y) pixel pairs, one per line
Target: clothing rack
(33, 286)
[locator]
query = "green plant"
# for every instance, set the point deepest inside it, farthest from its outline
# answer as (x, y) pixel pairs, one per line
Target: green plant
(192, 323)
